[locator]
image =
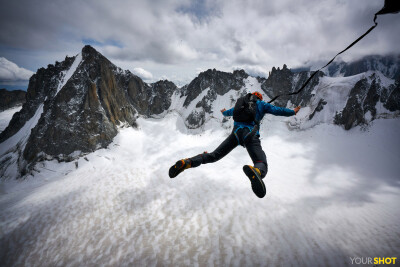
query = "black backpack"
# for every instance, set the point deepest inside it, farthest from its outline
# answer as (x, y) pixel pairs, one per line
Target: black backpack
(245, 109)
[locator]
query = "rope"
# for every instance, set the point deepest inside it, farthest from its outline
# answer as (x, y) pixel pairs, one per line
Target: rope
(312, 75)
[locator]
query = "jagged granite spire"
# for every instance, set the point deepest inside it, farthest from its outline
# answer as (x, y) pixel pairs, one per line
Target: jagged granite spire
(73, 107)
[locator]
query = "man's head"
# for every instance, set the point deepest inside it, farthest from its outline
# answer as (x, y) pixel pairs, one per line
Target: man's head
(258, 94)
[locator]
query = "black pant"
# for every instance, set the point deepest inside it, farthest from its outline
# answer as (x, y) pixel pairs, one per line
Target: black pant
(252, 144)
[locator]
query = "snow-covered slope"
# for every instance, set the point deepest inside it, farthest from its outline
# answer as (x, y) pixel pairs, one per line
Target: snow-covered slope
(332, 94)
(331, 195)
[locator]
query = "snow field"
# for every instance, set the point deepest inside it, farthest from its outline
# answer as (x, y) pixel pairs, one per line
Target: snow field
(331, 195)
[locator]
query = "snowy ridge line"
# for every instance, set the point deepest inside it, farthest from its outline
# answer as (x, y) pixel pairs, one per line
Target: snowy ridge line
(68, 74)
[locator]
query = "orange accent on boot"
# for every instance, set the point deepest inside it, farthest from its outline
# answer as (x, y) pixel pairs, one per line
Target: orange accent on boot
(187, 163)
(256, 169)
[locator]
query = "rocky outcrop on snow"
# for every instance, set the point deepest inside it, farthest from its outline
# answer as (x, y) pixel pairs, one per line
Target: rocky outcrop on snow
(150, 99)
(365, 99)
(10, 99)
(204, 90)
(391, 96)
(284, 81)
(217, 81)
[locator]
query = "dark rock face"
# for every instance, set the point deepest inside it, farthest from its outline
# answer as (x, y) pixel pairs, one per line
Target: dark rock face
(41, 85)
(353, 113)
(393, 101)
(363, 99)
(284, 81)
(304, 97)
(86, 112)
(280, 81)
(319, 107)
(160, 100)
(219, 83)
(10, 99)
(150, 99)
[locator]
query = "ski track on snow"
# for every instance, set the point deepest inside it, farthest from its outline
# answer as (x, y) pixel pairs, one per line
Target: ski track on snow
(331, 195)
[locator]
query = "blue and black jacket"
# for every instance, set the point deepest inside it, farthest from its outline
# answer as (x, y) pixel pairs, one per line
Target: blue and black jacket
(262, 109)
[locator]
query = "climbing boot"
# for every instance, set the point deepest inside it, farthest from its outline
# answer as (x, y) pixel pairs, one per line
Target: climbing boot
(179, 167)
(257, 184)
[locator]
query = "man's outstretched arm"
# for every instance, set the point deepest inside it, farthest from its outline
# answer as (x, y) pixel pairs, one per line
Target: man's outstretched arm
(228, 112)
(278, 111)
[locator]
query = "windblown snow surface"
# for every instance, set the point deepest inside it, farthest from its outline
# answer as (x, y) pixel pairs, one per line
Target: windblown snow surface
(332, 195)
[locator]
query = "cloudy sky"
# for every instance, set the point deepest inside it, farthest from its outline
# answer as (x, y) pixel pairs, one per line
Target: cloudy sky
(177, 39)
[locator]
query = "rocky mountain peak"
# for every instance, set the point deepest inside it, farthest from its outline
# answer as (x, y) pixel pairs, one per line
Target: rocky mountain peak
(73, 107)
(89, 54)
(283, 81)
(88, 51)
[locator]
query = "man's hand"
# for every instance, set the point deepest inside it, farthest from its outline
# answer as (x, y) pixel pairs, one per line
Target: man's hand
(297, 109)
(222, 110)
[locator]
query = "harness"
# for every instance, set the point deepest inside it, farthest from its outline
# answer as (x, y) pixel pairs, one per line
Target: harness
(251, 133)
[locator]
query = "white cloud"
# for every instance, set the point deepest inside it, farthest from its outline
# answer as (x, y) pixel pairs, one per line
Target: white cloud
(142, 73)
(176, 37)
(10, 72)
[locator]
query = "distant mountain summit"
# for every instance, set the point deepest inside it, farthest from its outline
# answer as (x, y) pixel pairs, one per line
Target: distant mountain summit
(76, 106)
(389, 66)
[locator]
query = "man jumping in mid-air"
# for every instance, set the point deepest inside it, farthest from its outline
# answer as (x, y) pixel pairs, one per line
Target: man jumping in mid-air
(247, 114)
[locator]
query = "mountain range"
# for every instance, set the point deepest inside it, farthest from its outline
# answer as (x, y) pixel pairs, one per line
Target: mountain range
(76, 106)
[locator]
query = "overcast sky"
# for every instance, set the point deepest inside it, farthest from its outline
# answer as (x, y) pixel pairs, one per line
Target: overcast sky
(176, 39)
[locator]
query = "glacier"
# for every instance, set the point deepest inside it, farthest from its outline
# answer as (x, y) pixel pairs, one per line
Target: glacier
(331, 195)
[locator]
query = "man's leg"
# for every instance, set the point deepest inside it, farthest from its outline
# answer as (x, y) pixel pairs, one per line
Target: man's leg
(257, 154)
(221, 151)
